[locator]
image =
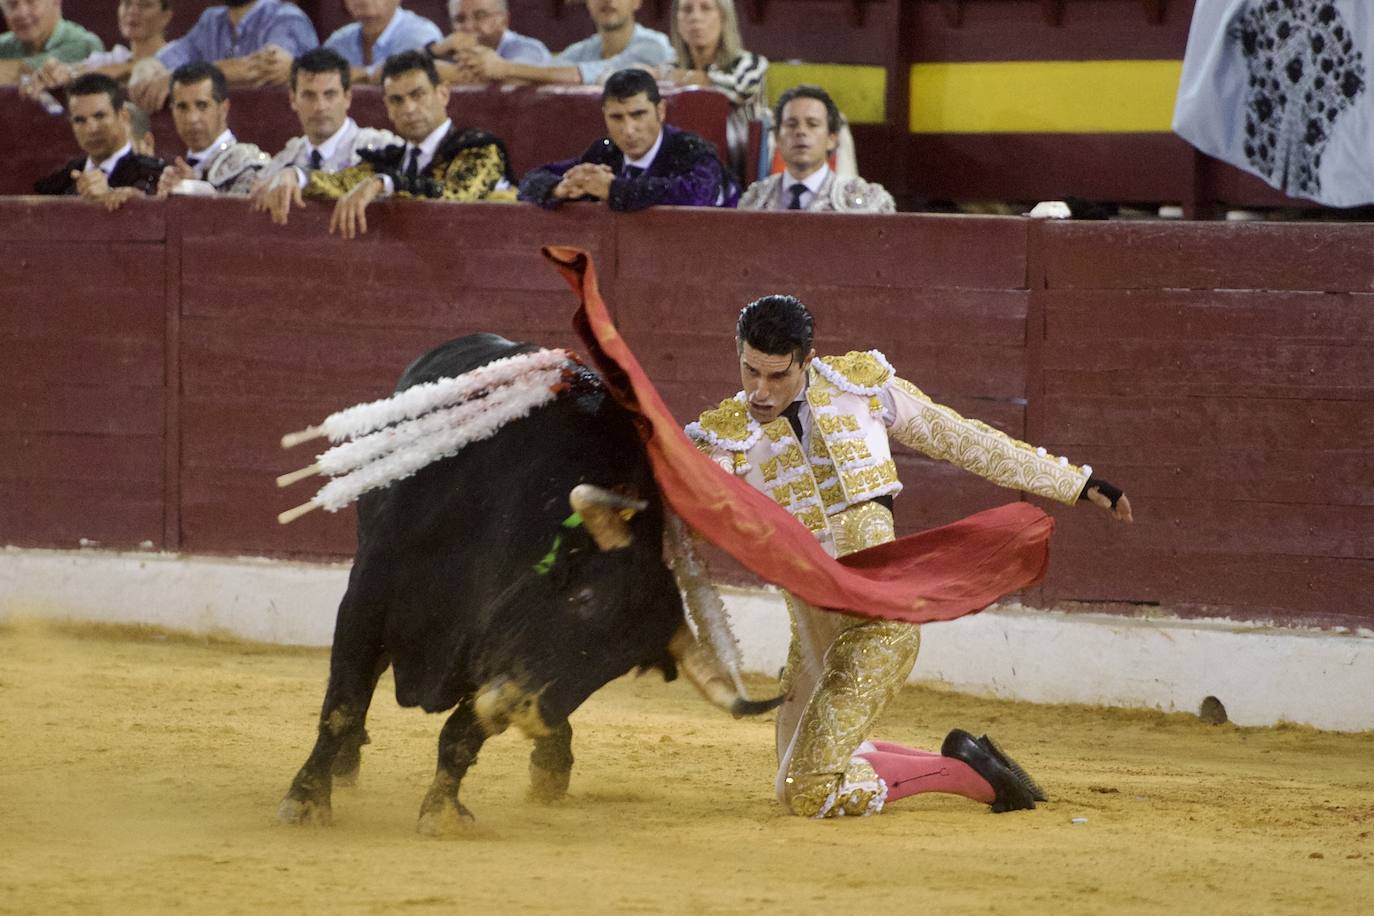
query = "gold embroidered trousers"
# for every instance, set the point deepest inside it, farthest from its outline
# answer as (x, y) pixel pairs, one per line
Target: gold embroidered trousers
(841, 673)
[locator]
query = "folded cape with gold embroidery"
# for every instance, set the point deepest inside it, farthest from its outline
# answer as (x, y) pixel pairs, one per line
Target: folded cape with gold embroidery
(939, 574)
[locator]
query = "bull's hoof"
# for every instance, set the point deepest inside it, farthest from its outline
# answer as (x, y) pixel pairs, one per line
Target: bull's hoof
(444, 817)
(304, 811)
(548, 785)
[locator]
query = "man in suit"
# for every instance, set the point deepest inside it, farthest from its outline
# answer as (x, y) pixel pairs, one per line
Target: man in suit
(642, 163)
(110, 172)
(437, 160)
(321, 93)
(215, 161)
(806, 130)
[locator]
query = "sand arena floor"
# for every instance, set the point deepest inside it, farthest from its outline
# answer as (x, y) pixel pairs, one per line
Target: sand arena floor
(141, 774)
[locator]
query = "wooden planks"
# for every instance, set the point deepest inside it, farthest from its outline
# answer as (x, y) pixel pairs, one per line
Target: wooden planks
(155, 363)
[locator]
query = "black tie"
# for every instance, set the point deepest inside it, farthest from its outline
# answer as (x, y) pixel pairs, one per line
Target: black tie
(192, 160)
(316, 160)
(413, 167)
(633, 171)
(797, 190)
(793, 414)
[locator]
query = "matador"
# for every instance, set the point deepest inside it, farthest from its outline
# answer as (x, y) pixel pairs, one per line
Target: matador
(813, 433)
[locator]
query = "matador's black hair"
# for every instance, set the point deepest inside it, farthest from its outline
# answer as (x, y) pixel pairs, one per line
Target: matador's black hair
(778, 325)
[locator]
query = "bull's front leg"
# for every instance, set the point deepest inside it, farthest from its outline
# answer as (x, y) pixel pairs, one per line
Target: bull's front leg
(441, 813)
(350, 756)
(353, 673)
(551, 763)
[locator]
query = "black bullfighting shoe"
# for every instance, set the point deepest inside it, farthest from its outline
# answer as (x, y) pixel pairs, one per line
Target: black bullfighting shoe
(1004, 758)
(1010, 793)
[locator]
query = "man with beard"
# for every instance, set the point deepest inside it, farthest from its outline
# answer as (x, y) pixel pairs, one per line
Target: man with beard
(806, 129)
(111, 172)
(642, 163)
(438, 160)
(215, 161)
(252, 42)
(619, 42)
(321, 92)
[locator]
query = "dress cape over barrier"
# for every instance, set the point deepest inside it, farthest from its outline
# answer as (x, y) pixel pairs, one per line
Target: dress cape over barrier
(939, 574)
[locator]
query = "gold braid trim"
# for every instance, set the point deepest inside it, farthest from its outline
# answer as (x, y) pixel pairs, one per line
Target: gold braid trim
(727, 426)
(324, 185)
(941, 433)
(473, 174)
(858, 371)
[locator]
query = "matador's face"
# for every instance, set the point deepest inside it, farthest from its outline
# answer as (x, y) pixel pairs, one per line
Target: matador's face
(771, 381)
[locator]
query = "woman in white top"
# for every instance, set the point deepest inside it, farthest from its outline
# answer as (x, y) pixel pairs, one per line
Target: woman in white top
(705, 35)
(142, 23)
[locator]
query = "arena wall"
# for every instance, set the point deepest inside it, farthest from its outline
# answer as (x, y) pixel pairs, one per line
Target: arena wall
(1220, 373)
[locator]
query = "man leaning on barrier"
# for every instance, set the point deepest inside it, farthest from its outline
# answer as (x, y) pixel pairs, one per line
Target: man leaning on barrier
(436, 160)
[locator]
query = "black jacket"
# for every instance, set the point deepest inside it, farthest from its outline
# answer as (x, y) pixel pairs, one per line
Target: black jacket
(131, 171)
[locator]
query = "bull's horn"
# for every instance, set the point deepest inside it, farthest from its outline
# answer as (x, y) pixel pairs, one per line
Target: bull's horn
(600, 510)
(704, 671)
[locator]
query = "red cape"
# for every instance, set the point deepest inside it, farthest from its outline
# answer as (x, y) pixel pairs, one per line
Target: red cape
(939, 574)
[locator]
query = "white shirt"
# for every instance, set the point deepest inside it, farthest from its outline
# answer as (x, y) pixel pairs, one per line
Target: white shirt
(327, 149)
(107, 165)
(427, 147)
(813, 184)
(203, 156)
(643, 162)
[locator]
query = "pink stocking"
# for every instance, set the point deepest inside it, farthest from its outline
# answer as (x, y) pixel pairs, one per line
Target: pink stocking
(887, 747)
(910, 773)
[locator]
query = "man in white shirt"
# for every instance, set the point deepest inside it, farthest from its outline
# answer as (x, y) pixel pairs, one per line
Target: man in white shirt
(111, 172)
(215, 161)
(321, 93)
(436, 159)
(807, 128)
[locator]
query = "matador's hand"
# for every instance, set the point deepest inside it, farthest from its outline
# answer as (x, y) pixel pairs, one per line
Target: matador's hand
(1121, 511)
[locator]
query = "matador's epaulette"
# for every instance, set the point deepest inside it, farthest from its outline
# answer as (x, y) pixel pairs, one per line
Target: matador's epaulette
(727, 426)
(858, 371)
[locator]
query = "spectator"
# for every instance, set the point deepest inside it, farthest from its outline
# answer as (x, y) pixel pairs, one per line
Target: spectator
(643, 162)
(485, 23)
(380, 29)
(619, 42)
(111, 171)
(38, 32)
(436, 159)
(252, 42)
(142, 23)
(705, 36)
(807, 129)
(321, 93)
(215, 161)
(141, 130)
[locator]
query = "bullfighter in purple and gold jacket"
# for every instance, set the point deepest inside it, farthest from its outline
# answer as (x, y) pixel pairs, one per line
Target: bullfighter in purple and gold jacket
(643, 163)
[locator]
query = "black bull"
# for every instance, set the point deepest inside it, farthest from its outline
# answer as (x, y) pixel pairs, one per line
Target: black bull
(472, 582)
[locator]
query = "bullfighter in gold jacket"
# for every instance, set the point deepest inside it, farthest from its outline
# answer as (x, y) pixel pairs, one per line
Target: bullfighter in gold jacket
(813, 434)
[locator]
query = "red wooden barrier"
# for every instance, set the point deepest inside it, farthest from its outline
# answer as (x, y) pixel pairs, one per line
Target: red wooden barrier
(1220, 373)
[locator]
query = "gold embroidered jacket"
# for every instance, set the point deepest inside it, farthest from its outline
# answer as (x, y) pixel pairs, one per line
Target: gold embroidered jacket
(856, 403)
(468, 165)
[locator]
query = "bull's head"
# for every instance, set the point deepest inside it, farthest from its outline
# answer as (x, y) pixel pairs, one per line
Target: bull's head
(606, 516)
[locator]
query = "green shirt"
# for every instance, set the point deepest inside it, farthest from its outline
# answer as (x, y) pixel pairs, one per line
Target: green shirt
(69, 43)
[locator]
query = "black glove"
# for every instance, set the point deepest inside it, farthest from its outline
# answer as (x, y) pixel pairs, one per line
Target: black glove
(1106, 489)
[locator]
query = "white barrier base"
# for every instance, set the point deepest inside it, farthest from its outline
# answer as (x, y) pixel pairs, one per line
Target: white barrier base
(1261, 674)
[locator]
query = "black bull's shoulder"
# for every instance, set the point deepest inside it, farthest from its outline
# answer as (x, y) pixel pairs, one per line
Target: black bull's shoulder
(467, 574)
